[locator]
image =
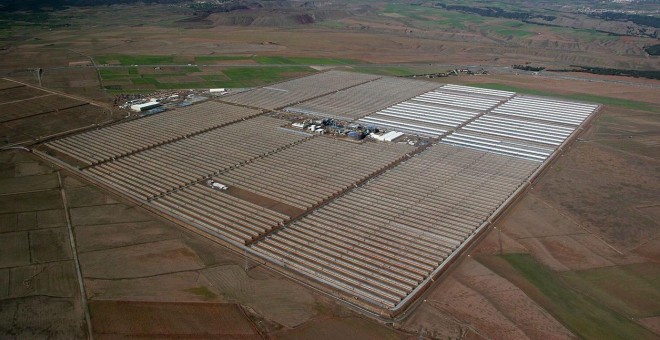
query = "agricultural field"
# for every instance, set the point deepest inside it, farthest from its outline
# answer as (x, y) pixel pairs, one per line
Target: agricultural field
(39, 295)
(241, 49)
(28, 113)
(134, 78)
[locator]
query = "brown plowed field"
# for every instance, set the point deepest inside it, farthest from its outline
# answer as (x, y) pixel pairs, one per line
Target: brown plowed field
(114, 319)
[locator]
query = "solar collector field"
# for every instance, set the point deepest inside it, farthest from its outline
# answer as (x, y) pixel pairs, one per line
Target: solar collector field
(295, 176)
(479, 91)
(311, 172)
(161, 169)
(117, 140)
(298, 90)
(527, 127)
(369, 221)
(380, 241)
(235, 219)
(431, 114)
(359, 101)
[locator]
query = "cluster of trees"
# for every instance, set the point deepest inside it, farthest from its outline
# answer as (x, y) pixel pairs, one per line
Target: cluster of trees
(644, 20)
(495, 12)
(222, 6)
(613, 72)
(529, 68)
(653, 49)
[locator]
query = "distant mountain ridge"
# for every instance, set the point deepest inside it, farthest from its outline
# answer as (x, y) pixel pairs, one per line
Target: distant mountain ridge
(42, 5)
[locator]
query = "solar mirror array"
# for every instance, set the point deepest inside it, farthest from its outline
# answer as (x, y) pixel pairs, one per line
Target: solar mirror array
(369, 222)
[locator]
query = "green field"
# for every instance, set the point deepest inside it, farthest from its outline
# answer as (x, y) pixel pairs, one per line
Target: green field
(139, 79)
(303, 61)
(255, 76)
(633, 289)
(137, 73)
(630, 104)
(433, 17)
(513, 32)
(123, 59)
(211, 58)
(587, 316)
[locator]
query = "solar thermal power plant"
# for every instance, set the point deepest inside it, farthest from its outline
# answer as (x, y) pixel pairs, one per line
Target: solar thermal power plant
(164, 168)
(431, 114)
(373, 223)
(525, 127)
(298, 90)
(359, 101)
(381, 241)
(312, 179)
(479, 91)
(118, 140)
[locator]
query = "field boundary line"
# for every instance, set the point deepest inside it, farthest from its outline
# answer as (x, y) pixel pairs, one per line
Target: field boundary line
(22, 100)
(577, 223)
(76, 262)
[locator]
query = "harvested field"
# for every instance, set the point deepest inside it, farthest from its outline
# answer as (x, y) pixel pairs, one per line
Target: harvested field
(105, 236)
(49, 122)
(159, 258)
(36, 106)
(16, 250)
(6, 84)
(272, 297)
(342, 328)
(19, 94)
(39, 293)
(617, 180)
(134, 319)
(107, 213)
(28, 183)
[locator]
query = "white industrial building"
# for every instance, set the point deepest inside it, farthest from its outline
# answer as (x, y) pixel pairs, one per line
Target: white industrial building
(387, 137)
(145, 106)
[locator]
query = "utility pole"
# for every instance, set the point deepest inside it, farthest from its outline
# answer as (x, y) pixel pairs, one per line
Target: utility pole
(38, 73)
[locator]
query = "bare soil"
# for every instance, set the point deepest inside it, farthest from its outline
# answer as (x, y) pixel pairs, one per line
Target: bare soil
(480, 302)
(114, 319)
(265, 202)
(39, 294)
(45, 115)
(644, 90)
